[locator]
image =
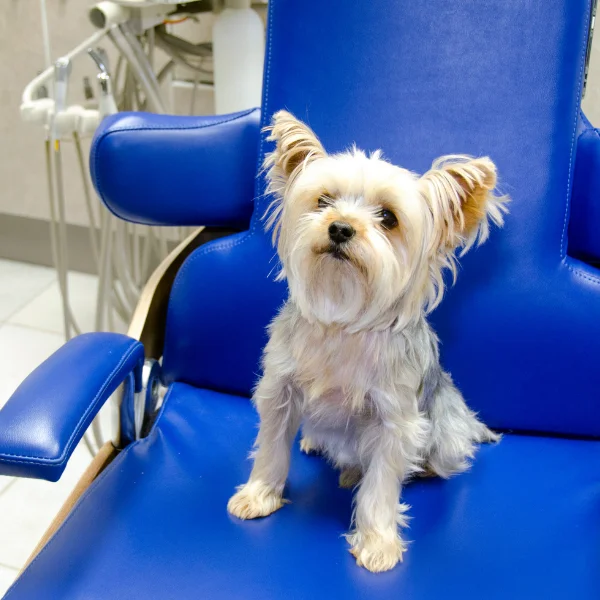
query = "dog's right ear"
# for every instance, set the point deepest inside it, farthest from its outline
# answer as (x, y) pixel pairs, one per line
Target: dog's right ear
(296, 144)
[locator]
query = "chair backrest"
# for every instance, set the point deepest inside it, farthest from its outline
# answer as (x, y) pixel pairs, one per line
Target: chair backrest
(520, 331)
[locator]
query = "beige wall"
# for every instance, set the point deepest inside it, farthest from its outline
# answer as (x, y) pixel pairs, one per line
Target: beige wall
(23, 190)
(22, 170)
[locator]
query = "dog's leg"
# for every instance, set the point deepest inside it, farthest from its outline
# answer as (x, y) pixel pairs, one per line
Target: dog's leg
(278, 405)
(389, 453)
(455, 429)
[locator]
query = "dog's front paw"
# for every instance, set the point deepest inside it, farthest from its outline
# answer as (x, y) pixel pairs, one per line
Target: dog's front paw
(375, 552)
(254, 499)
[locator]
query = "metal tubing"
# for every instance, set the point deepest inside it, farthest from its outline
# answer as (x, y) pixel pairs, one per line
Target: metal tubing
(48, 75)
(88, 199)
(141, 71)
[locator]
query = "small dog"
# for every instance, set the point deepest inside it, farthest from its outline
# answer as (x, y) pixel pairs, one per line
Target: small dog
(363, 245)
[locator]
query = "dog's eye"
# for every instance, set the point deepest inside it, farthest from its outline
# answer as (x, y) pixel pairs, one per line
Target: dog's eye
(323, 202)
(388, 219)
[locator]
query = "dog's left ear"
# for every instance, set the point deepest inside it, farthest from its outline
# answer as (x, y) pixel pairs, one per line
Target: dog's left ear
(460, 193)
(296, 144)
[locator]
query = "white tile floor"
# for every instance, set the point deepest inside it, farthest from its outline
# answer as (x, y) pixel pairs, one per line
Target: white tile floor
(30, 330)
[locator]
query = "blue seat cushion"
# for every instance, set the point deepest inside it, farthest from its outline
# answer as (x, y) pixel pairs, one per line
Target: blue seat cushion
(523, 523)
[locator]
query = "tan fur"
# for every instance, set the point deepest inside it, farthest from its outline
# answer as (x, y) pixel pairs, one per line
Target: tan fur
(255, 500)
(351, 355)
(350, 477)
(377, 553)
(307, 446)
(469, 184)
(296, 143)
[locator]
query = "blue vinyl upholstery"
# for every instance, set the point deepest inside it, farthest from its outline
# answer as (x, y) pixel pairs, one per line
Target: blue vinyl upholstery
(168, 170)
(48, 414)
(520, 331)
(524, 524)
(584, 223)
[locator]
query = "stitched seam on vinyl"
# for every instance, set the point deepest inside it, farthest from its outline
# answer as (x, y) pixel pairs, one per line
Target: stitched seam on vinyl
(265, 110)
(96, 150)
(207, 250)
(95, 484)
(63, 457)
(253, 224)
(183, 127)
(579, 273)
(574, 270)
(245, 237)
(563, 250)
(156, 128)
(179, 127)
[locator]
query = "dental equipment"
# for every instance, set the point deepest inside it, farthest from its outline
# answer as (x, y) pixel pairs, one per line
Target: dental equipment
(124, 255)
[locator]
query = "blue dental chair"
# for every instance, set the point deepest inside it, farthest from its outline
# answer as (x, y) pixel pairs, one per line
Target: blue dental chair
(520, 330)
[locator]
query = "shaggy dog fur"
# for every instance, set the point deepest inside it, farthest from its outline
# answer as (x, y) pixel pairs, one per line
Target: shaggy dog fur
(363, 246)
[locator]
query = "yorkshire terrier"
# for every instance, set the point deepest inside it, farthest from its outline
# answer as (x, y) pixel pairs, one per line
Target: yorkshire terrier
(363, 246)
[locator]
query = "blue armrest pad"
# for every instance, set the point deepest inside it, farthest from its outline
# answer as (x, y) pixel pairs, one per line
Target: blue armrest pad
(48, 414)
(171, 170)
(584, 224)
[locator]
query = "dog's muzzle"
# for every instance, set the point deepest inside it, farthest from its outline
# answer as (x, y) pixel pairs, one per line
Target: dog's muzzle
(340, 232)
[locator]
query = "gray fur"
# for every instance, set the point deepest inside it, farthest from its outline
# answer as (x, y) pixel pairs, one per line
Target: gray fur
(351, 355)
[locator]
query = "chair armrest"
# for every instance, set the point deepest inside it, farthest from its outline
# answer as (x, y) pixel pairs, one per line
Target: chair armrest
(43, 421)
(171, 170)
(584, 222)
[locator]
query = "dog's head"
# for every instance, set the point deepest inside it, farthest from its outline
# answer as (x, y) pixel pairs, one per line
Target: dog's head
(363, 243)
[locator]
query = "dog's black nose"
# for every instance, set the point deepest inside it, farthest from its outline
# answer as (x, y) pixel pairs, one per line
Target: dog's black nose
(340, 232)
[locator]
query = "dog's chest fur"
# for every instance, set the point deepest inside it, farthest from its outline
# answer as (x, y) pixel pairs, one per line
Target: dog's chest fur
(342, 376)
(330, 364)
